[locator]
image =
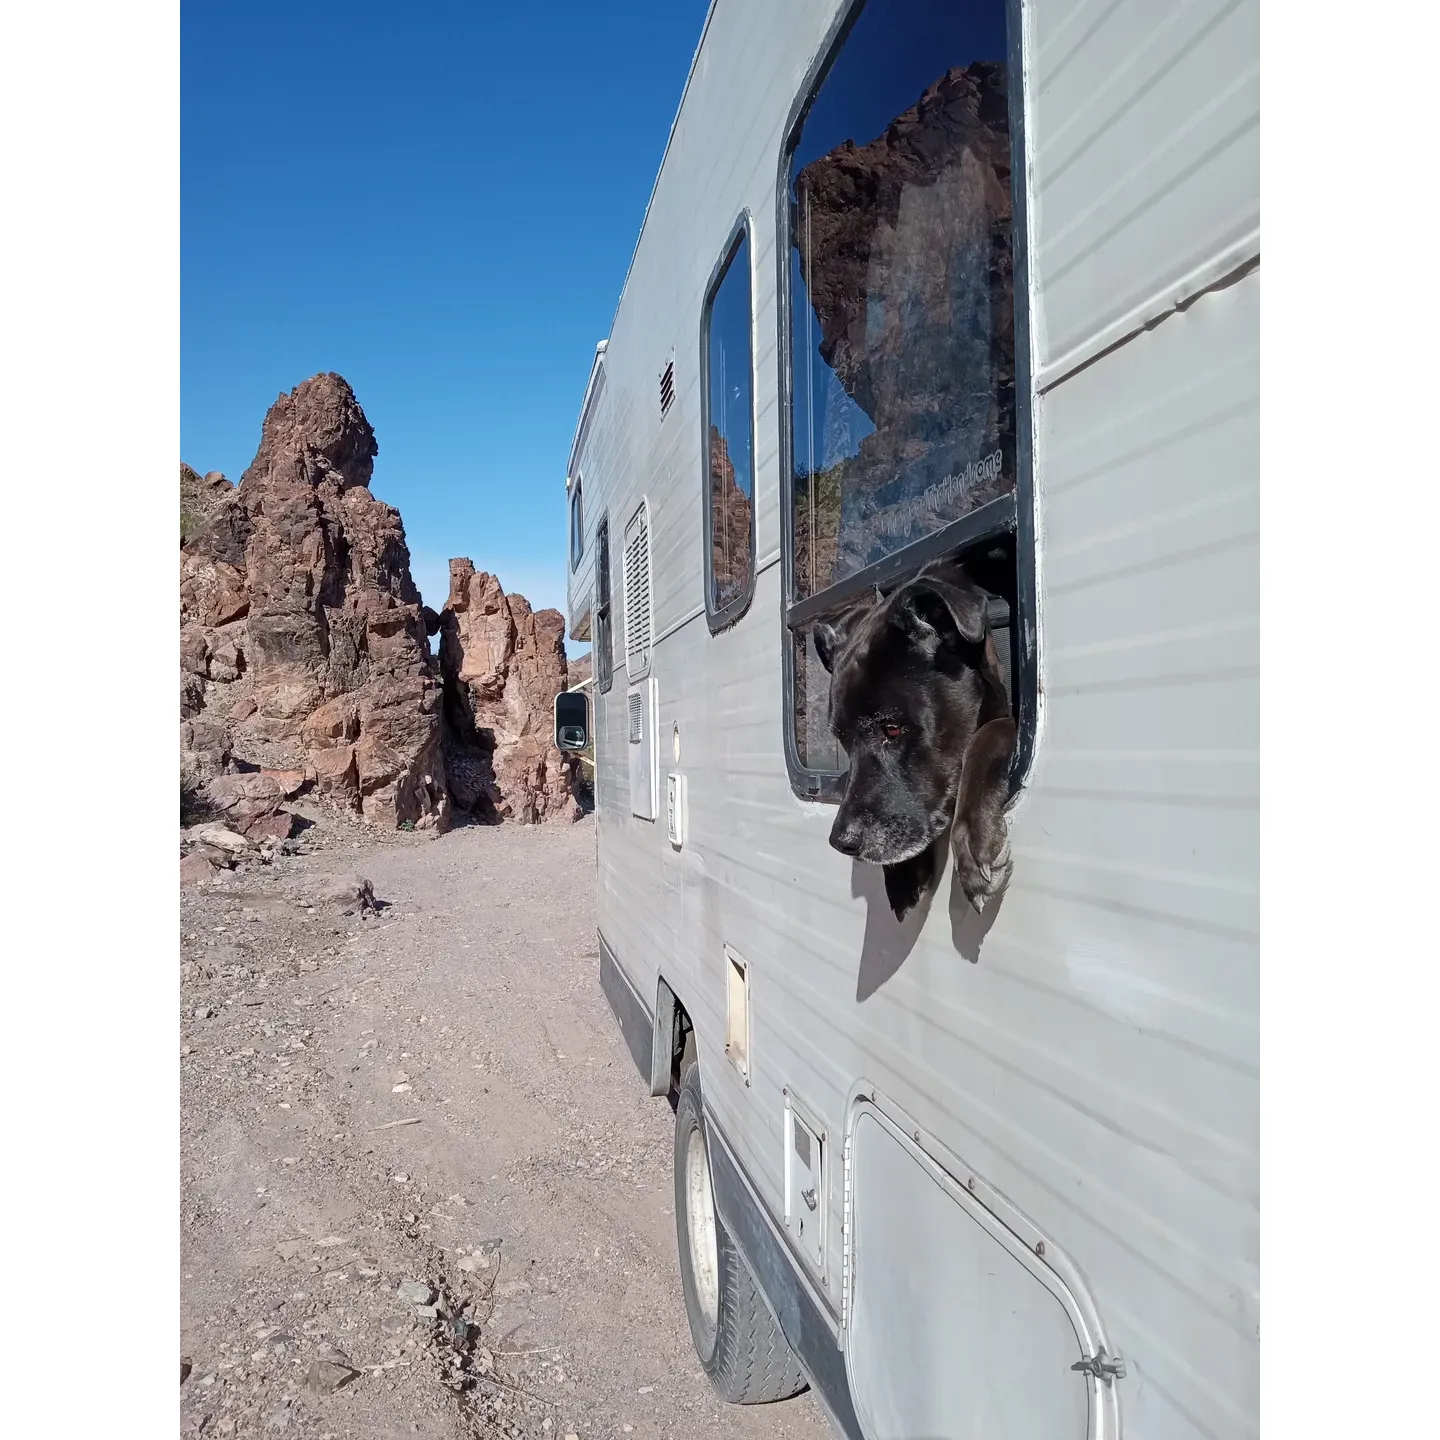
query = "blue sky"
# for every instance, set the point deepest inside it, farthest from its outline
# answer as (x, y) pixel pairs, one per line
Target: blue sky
(438, 201)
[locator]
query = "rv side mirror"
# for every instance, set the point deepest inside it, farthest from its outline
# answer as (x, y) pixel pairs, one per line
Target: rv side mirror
(572, 720)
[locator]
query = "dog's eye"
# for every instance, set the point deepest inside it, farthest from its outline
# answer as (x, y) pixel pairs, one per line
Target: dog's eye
(894, 732)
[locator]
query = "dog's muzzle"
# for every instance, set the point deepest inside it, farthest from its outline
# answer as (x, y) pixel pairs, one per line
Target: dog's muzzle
(877, 842)
(847, 835)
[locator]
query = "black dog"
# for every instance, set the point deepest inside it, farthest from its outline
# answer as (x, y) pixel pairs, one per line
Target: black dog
(918, 702)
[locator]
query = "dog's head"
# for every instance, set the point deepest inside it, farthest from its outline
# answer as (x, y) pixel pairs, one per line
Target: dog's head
(912, 677)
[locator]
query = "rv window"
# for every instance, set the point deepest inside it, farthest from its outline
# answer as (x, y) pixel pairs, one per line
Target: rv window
(601, 632)
(728, 430)
(577, 525)
(899, 348)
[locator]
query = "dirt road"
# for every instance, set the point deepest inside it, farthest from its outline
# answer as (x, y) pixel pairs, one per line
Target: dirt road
(529, 1193)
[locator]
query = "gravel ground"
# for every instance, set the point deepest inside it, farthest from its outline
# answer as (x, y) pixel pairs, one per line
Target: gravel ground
(435, 1096)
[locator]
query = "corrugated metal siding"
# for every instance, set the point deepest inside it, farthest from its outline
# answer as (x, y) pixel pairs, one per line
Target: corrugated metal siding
(1099, 1064)
(1138, 864)
(1146, 166)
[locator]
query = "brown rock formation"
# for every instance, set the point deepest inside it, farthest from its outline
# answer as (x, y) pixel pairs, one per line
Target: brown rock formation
(298, 583)
(199, 496)
(503, 664)
(204, 748)
(214, 599)
(580, 670)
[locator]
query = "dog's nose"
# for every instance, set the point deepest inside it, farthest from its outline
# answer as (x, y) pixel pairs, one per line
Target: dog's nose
(845, 837)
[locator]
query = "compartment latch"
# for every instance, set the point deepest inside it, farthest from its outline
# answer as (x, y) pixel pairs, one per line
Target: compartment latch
(1108, 1368)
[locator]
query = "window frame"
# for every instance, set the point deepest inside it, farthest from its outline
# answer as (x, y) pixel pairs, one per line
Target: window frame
(602, 628)
(741, 232)
(577, 522)
(1009, 514)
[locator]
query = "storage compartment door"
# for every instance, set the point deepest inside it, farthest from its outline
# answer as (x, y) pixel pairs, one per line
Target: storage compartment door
(640, 719)
(951, 1335)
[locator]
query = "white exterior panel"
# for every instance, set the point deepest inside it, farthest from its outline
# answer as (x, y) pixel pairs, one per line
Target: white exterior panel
(1094, 1056)
(1145, 162)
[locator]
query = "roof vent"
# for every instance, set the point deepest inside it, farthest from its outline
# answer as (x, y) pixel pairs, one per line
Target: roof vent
(667, 387)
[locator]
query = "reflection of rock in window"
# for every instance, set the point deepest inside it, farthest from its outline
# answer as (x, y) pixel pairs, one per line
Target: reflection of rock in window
(730, 525)
(904, 257)
(729, 364)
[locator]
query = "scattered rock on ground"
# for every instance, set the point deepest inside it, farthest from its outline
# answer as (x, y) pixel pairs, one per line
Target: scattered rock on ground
(351, 895)
(326, 1376)
(275, 827)
(248, 802)
(222, 838)
(196, 870)
(537, 1150)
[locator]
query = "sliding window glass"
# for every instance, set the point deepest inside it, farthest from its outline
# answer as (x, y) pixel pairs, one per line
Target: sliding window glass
(728, 430)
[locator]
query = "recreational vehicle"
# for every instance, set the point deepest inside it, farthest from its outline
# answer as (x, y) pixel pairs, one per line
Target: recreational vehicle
(976, 280)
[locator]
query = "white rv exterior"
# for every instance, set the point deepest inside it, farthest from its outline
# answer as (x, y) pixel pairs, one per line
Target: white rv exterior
(1033, 1141)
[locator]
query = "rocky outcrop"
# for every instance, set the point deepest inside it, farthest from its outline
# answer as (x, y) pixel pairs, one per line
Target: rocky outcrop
(579, 670)
(503, 664)
(906, 250)
(300, 623)
(303, 648)
(199, 497)
(204, 749)
(214, 598)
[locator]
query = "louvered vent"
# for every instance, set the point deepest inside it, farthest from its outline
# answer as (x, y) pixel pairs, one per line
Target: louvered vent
(637, 717)
(637, 592)
(667, 387)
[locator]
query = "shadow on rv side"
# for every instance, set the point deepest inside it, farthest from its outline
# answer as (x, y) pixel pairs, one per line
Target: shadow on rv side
(888, 942)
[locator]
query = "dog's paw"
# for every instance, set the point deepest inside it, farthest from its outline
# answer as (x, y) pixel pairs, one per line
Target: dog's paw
(981, 876)
(1001, 865)
(981, 837)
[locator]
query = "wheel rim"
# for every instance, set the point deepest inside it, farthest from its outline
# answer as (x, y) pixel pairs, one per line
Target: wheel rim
(700, 1224)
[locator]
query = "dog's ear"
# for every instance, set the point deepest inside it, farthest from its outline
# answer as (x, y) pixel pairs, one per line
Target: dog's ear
(830, 635)
(828, 640)
(940, 609)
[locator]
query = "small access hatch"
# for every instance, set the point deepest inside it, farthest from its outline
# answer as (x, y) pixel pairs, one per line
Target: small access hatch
(640, 705)
(805, 1178)
(954, 1330)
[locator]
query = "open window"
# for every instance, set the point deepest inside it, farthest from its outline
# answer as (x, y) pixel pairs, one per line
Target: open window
(728, 428)
(904, 340)
(601, 642)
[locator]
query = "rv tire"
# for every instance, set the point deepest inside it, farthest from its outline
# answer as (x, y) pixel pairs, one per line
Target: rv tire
(739, 1344)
